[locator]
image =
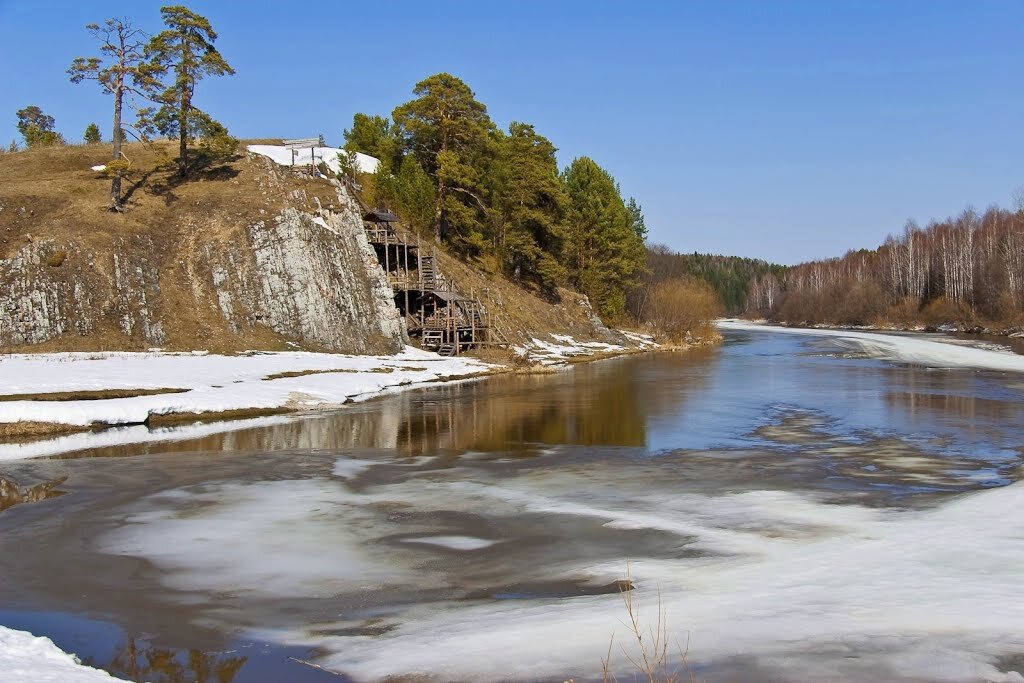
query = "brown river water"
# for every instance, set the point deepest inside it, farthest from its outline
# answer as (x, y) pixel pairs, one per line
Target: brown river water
(801, 509)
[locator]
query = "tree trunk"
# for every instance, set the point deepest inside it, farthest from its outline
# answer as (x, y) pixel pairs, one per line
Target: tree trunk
(441, 191)
(115, 182)
(439, 210)
(182, 141)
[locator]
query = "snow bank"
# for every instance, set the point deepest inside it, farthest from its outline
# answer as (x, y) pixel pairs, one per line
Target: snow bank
(213, 384)
(29, 659)
(900, 349)
(564, 347)
(304, 157)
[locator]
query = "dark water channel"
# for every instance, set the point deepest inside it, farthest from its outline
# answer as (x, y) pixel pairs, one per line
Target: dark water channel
(806, 513)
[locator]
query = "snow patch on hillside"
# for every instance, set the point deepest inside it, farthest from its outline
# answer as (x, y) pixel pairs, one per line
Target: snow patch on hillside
(314, 155)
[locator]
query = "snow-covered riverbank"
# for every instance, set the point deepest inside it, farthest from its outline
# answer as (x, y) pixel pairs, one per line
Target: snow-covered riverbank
(135, 397)
(204, 384)
(25, 657)
(938, 353)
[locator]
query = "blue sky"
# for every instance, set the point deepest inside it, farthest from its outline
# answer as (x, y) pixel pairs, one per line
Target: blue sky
(785, 130)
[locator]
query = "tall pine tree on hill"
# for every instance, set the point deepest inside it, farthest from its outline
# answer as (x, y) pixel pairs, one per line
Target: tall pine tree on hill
(376, 136)
(446, 129)
(530, 200)
(121, 71)
(185, 49)
(605, 250)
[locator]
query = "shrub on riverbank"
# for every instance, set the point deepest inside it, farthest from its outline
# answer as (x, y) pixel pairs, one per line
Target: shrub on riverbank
(681, 309)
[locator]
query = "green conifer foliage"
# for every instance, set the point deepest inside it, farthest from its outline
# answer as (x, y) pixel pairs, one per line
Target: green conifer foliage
(36, 128)
(415, 194)
(446, 129)
(376, 136)
(530, 200)
(184, 49)
(92, 135)
(446, 169)
(604, 249)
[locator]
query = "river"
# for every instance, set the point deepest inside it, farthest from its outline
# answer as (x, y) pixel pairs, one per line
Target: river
(801, 506)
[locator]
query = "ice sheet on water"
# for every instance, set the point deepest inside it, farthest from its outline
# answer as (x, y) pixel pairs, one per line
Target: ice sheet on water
(349, 468)
(306, 538)
(129, 435)
(453, 542)
(213, 383)
(783, 577)
(890, 595)
(901, 349)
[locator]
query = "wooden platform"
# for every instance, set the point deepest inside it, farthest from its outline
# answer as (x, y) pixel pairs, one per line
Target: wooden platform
(434, 310)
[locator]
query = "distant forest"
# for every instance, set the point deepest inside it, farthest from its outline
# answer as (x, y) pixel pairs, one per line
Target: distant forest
(729, 276)
(966, 270)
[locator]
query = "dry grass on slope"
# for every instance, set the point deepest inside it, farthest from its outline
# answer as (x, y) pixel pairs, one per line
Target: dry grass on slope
(52, 196)
(52, 192)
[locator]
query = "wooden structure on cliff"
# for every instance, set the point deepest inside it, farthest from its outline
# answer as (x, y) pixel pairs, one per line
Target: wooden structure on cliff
(443, 318)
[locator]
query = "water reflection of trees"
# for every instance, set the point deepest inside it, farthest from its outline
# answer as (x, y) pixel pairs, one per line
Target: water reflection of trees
(926, 394)
(600, 404)
(164, 665)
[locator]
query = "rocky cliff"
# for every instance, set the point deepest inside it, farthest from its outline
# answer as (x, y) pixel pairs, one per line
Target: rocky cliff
(241, 255)
(246, 259)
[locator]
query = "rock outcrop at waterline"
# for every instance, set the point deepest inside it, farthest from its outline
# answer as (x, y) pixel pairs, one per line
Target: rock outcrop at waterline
(297, 276)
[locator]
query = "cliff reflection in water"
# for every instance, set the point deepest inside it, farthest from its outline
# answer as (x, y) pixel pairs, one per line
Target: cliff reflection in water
(605, 403)
(12, 494)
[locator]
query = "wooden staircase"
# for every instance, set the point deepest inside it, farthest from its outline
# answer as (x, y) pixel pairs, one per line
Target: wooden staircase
(447, 350)
(428, 274)
(433, 338)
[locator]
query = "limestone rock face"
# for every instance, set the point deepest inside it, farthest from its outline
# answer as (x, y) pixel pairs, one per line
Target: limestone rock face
(305, 277)
(314, 278)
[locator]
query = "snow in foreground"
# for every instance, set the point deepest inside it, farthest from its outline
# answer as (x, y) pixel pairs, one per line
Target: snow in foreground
(25, 657)
(303, 157)
(211, 384)
(900, 349)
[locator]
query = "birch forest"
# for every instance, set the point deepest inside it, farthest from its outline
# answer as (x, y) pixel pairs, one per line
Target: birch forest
(966, 271)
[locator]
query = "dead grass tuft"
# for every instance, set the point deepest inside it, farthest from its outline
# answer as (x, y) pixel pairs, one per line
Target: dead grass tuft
(94, 395)
(17, 430)
(650, 656)
(169, 419)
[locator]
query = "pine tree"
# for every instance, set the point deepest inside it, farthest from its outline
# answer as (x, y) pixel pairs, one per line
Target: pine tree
(605, 251)
(92, 135)
(446, 128)
(530, 199)
(185, 48)
(376, 136)
(415, 194)
(36, 127)
(121, 72)
(636, 216)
